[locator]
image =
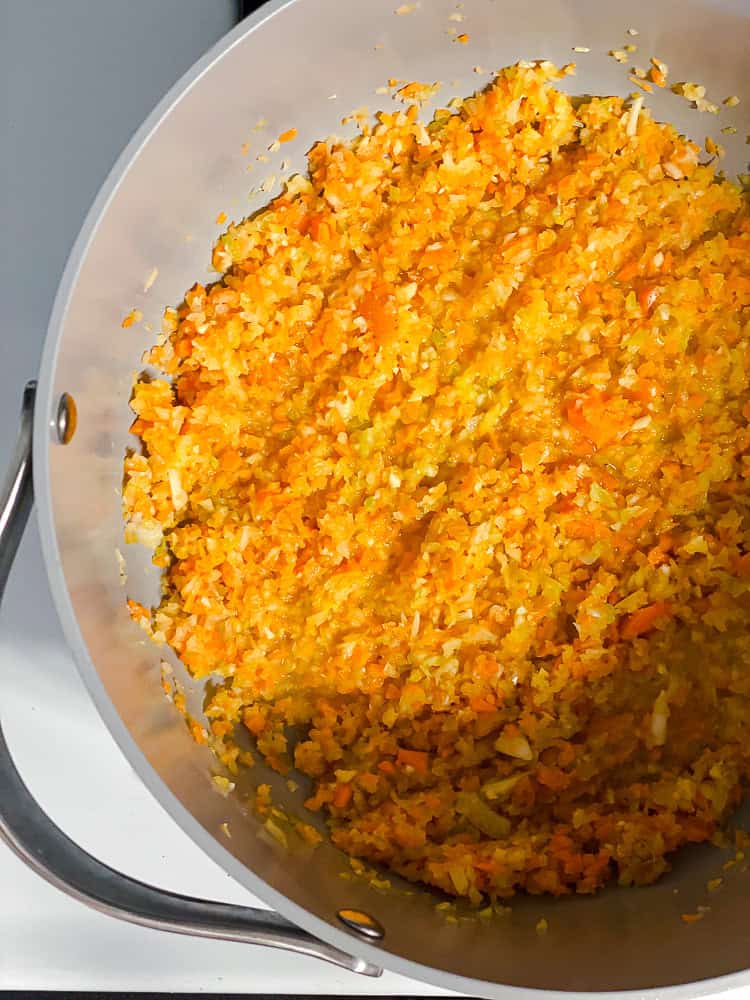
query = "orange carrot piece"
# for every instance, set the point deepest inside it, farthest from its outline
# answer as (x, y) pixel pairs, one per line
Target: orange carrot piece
(134, 316)
(480, 704)
(417, 759)
(553, 778)
(196, 731)
(342, 795)
(647, 298)
(628, 272)
(137, 611)
(644, 619)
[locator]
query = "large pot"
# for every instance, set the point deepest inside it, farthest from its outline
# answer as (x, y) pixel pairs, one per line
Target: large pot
(157, 208)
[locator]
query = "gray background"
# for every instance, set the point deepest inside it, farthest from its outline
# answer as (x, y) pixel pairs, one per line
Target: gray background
(77, 77)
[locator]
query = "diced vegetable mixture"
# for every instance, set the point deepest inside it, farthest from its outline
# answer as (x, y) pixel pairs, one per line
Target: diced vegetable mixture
(449, 477)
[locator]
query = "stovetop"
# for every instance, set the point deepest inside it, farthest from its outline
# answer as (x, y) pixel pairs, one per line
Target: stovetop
(76, 79)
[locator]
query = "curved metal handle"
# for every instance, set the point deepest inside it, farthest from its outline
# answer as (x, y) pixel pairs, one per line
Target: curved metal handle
(36, 840)
(17, 494)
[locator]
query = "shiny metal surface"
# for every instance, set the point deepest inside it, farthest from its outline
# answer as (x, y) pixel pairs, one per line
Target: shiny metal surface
(362, 924)
(16, 494)
(43, 846)
(38, 842)
(67, 419)
(157, 209)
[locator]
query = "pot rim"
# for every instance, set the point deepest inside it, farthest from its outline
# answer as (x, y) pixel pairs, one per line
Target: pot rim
(45, 414)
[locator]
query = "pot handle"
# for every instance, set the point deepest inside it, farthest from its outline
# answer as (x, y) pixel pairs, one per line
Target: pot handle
(37, 841)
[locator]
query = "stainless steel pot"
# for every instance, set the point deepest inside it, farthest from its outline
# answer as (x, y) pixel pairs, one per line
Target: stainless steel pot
(156, 210)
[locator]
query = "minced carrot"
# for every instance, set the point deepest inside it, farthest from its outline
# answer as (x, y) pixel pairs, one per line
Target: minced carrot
(453, 456)
(645, 619)
(342, 795)
(482, 704)
(417, 759)
(134, 316)
(138, 612)
(647, 297)
(196, 730)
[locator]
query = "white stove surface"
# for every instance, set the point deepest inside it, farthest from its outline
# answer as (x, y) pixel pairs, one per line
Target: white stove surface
(76, 78)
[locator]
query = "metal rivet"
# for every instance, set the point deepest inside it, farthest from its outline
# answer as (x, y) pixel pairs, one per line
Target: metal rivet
(67, 419)
(361, 923)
